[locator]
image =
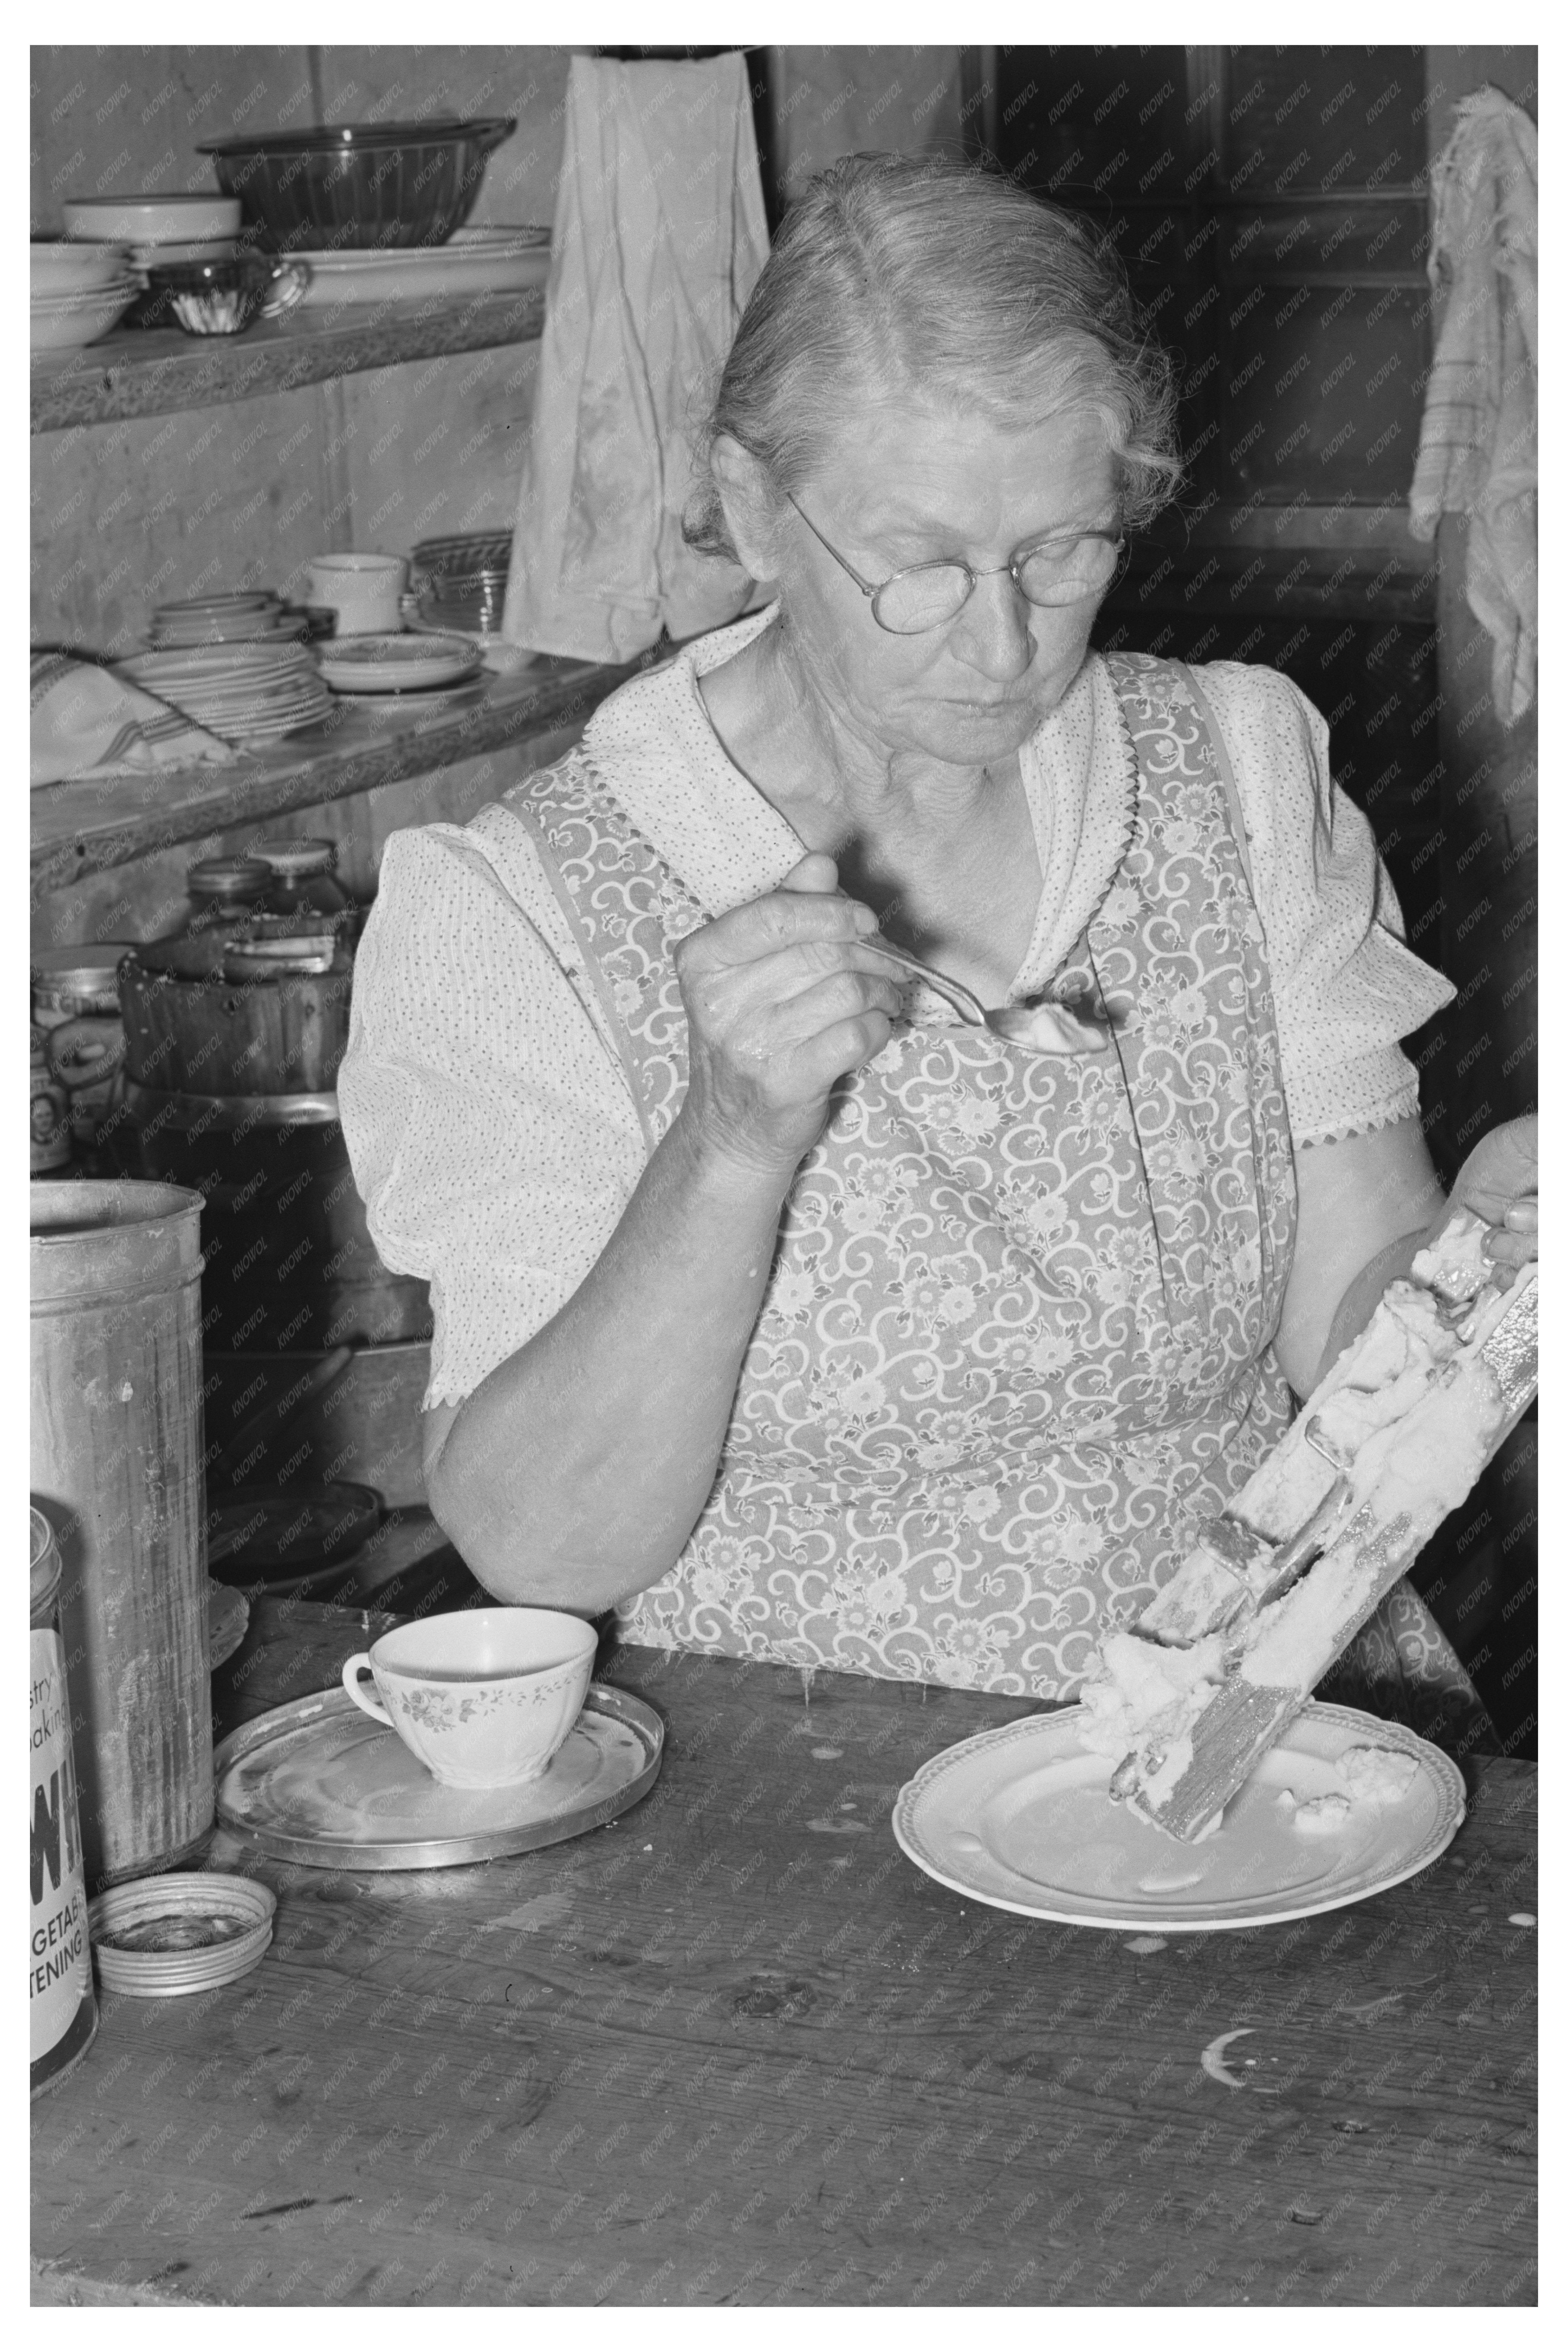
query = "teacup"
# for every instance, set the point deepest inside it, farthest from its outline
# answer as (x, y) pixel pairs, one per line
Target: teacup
(221, 294)
(483, 1699)
(365, 591)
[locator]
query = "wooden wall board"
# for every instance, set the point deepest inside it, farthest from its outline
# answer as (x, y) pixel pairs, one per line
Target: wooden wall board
(123, 118)
(842, 101)
(1305, 119)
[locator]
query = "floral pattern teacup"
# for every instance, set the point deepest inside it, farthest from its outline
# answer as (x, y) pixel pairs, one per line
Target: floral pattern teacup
(483, 1699)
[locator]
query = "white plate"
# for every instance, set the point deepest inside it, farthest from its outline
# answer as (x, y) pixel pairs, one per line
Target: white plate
(243, 630)
(381, 665)
(1021, 1818)
(222, 600)
(90, 298)
(63, 268)
(471, 262)
(157, 254)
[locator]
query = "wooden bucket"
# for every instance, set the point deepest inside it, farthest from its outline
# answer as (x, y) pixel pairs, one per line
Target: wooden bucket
(188, 1027)
(117, 1465)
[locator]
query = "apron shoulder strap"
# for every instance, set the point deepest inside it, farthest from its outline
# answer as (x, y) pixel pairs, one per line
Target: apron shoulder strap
(1222, 765)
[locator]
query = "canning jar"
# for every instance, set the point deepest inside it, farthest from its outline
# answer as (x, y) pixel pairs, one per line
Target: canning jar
(225, 894)
(76, 1003)
(304, 882)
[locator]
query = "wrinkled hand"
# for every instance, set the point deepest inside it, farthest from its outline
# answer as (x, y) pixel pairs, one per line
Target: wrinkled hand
(782, 996)
(1498, 1182)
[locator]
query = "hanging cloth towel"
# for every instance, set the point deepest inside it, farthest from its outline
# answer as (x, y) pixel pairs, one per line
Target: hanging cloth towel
(85, 720)
(1477, 453)
(659, 236)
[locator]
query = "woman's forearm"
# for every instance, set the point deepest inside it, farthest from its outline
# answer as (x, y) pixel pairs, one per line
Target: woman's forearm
(573, 1474)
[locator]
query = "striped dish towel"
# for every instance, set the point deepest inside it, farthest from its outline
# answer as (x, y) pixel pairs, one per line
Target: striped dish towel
(87, 721)
(1479, 430)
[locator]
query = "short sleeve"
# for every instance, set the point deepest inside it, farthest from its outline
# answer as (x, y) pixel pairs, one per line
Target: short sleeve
(490, 1131)
(1346, 988)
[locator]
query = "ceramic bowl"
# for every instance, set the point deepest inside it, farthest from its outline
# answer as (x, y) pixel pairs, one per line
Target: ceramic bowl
(64, 323)
(65, 269)
(483, 1697)
(151, 220)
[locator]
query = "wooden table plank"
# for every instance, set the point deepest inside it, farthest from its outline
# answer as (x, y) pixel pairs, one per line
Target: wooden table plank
(735, 2048)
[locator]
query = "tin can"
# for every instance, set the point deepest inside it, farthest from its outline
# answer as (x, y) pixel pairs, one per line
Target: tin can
(76, 1003)
(48, 1112)
(62, 2012)
(115, 1435)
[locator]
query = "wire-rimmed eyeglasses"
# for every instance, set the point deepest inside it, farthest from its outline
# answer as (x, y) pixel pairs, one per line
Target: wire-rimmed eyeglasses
(1062, 569)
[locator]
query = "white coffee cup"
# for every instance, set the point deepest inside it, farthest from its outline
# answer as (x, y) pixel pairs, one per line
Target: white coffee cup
(482, 1698)
(365, 591)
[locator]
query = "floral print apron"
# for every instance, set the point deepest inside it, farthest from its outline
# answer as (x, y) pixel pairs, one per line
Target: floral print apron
(1015, 1340)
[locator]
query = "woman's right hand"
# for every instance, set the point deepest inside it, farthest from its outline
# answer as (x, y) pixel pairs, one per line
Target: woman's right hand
(782, 996)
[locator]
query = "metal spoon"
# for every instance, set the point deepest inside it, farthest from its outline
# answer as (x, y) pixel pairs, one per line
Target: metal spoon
(1045, 1028)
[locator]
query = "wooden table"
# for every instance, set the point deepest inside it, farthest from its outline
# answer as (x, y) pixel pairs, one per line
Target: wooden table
(734, 2048)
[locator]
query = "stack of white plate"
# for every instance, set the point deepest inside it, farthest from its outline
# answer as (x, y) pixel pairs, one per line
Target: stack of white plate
(78, 292)
(233, 616)
(246, 693)
(473, 261)
(412, 662)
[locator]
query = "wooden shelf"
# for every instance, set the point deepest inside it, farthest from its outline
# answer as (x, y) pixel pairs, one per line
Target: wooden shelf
(151, 372)
(90, 824)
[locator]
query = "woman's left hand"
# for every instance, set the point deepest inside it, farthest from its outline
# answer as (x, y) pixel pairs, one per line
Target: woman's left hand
(1498, 1182)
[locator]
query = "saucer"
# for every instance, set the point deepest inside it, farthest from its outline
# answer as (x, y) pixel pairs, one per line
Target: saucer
(318, 1781)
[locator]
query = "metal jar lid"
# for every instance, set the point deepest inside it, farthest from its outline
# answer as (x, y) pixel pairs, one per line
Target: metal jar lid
(229, 878)
(298, 956)
(291, 861)
(80, 979)
(182, 1932)
(43, 1567)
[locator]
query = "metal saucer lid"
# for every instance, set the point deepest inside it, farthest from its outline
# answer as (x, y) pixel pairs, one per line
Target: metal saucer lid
(227, 878)
(296, 956)
(291, 859)
(182, 1932)
(87, 969)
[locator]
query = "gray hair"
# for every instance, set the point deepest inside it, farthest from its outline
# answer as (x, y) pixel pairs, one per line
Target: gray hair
(917, 275)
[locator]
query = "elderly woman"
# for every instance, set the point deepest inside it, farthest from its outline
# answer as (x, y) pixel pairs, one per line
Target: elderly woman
(777, 1308)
